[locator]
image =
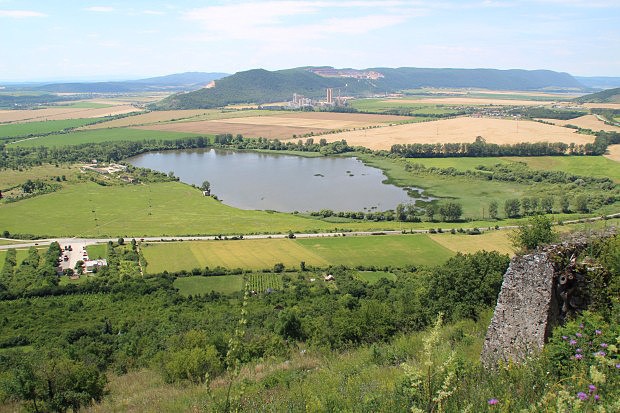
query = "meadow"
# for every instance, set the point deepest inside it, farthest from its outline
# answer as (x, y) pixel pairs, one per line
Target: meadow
(263, 254)
(62, 113)
(383, 105)
(100, 135)
(39, 128)
(197, 285)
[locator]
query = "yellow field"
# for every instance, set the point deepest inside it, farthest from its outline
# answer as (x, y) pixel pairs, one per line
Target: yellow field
(282, 126)
(613, 153)
(463, 129)
(469, 244)
(602, 105)
(469, 101)
(149, 118)
(586, 122)
(60, 113)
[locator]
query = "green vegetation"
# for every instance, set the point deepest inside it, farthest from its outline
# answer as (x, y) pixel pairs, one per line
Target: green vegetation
(100, 135)
(605, 96)
(30, 129)
(86, 105)
(397, 106)
(373, 277)
(197, 285)
(260, 283)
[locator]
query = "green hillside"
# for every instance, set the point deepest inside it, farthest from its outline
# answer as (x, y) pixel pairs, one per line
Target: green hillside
(605, 96)
(261, 86)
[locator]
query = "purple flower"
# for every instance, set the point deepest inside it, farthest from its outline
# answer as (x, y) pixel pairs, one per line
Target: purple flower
(578, 334)
(604, 345)
(492, 402)
(578, 350)
(578, 356)
(601, 353)
(592, 388)
(581, 326)
(618, 366)
(582, 396)
(598, 332)
(572, 342)
(597, 397)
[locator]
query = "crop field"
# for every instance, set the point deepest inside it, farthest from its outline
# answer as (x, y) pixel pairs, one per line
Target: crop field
(280, 125)
(150, 118)
(224, 284)
(100, 135)
(586, 122)
(469, 101)
(379, 105)
(88, 104)
(61, 113)
(462, 129)
(613, 153)
(489, 241)
(263, 254)
(261, 282)
(38, 128)
(373, 277)
(21, 254)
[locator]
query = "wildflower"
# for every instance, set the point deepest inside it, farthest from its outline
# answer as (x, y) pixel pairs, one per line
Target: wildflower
(581, 326)
(604, 345)
(492, 402)
(564, 337)
(598, 332)
(592, 388)
(578, 334)
(582, 396)
(597, 397)
(601, 353)
(572, 342)
(578, 356)
(578, 350)
(618, 366)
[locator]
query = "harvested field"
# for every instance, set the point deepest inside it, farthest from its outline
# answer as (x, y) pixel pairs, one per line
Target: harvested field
(602, 105)
(60, 113)
(149, 118)
(282, 126)
(613, 153)
(586, 122)
(463, 129)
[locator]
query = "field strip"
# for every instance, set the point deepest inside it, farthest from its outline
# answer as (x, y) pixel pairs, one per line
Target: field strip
(9, 116)
(460, 100)
(301, 122)
(613, 153)
(466, 244)
(586, 122)
(462, 129)
(247, 130)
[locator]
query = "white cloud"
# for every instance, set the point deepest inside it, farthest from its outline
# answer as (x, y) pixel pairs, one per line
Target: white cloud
(21, 14)
(100, 9)
(154, 12)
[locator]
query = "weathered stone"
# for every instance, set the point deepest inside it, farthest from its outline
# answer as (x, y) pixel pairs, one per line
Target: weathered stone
(539, 290)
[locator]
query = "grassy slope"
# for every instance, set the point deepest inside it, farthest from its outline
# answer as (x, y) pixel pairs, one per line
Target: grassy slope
(12, 177)
(101, 135)
(380, 105)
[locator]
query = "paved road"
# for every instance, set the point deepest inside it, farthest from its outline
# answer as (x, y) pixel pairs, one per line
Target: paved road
(78, 244)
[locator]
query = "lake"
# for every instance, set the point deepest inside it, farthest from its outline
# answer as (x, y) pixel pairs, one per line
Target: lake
(280, 182)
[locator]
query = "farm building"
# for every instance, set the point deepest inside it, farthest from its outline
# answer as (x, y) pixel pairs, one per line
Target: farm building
(93, 265)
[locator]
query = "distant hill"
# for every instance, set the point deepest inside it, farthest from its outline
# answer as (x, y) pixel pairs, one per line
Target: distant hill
(262, 86)
(599, 82)
(606, 96)
(175, 82)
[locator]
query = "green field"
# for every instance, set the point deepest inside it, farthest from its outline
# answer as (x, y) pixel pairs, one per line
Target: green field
(380, 251)
(382, 105)
(12, 177)
(40, 128)
(597, 166)
(21, 254)
(86, 105)
(101, 135)
(373, 277)
(261, 282)
(97, 251)
(225, 284)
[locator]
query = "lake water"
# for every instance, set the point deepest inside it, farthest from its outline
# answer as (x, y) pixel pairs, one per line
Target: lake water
(286, 183)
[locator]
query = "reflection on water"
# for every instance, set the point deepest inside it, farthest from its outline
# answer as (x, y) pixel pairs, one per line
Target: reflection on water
(287, 183)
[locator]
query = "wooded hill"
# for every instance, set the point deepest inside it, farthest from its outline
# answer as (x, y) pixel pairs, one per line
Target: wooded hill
(262, 86)
(605, 96)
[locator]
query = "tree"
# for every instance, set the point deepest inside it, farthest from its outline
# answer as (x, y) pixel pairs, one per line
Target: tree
(79, 266)
(206, 186)
(581, 203)
(430, 211)
(511, 207)
(537, 231)
(546, 204)
(450, 211)
(493, 209)
(564, 204)
(278, 267)
(121, 241)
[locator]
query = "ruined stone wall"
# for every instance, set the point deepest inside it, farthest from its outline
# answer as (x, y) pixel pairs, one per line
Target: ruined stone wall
(539, 290)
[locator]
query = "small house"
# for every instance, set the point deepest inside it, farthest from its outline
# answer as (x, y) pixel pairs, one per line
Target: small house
(93, 265)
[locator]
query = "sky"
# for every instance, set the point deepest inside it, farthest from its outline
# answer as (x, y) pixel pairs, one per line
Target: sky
(42, 40)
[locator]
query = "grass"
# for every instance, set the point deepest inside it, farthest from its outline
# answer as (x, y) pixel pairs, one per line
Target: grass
(597, 166)
(382, 105)
(263, 254)
(97, 251)
(489, 241)
(373, 277)
(86, 105)
(21, 254)
(261, 282)
(12, 177)
(40, 128)
(101, 135)
(225, 284)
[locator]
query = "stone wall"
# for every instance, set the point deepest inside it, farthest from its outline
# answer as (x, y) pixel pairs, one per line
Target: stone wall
(539, 290)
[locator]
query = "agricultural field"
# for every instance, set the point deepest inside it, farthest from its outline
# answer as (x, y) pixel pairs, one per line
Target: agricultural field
(197, 285)
(261, 282)
(63, 113)
(99, 135)
(39, 128)
(469, 101)
(21, 254)
(613, 153)
(282, 126)
(461, 129)
(265, 253)
(586, 122)
(373, 277)
(97, 251)
(382, 105)
(488, 241)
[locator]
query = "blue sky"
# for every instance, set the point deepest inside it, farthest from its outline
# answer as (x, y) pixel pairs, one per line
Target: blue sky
(72, 39)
